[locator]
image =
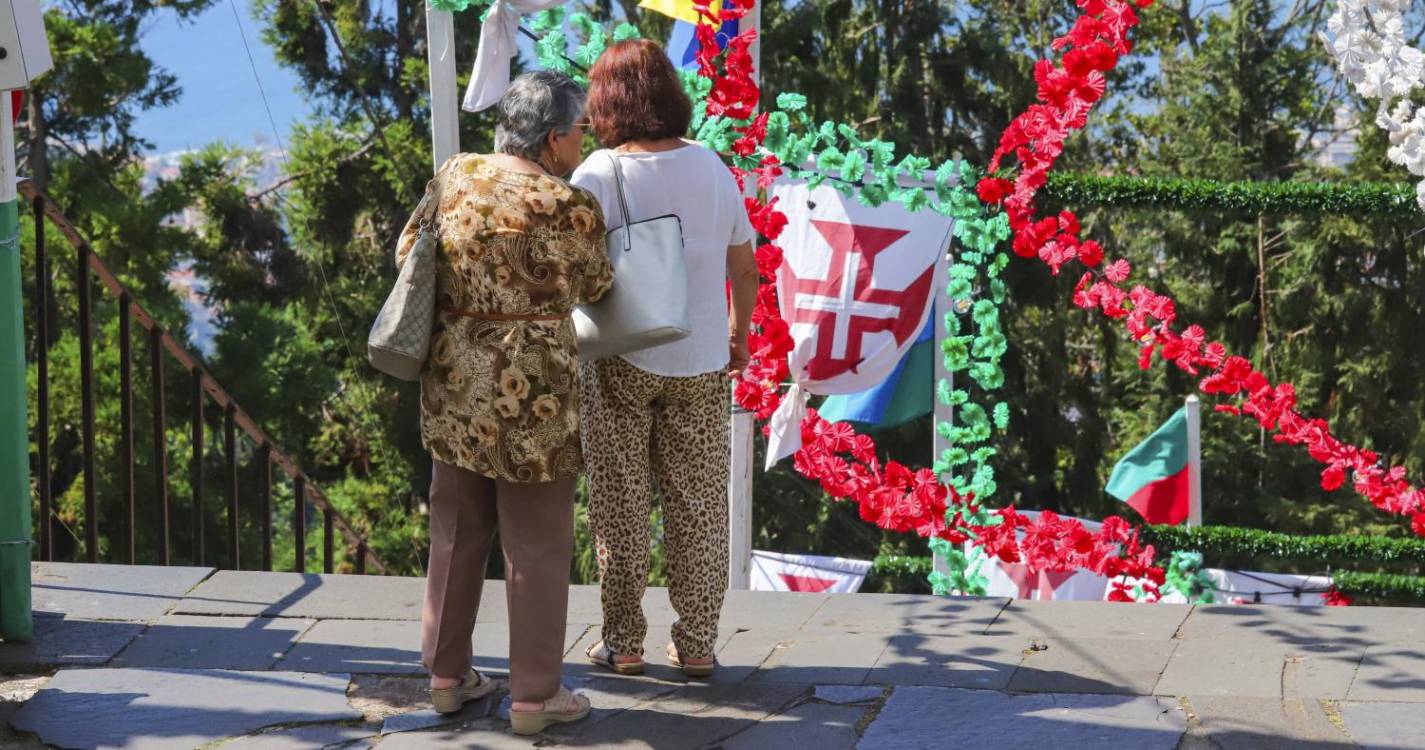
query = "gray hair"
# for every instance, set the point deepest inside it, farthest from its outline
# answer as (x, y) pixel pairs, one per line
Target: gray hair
(535, 104)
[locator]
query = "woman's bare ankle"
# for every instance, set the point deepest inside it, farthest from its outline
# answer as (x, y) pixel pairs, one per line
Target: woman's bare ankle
(527, 706)
(441, 683)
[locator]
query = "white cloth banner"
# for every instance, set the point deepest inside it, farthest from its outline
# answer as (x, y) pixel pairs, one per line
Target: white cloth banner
(855, 287)
(1015, 581)
(774, 571)
(497, 48)
(1249, 587)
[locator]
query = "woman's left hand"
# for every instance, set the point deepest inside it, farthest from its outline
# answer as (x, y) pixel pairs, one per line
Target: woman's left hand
(738, 356)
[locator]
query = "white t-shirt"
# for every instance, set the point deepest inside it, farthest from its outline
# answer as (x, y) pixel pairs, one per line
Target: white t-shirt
(693, 183)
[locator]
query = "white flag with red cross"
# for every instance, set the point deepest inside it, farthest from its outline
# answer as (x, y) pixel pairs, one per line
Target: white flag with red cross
(775, 571)
(856, 287)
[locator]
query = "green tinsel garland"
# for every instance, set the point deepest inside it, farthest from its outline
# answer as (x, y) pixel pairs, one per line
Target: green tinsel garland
(1252, 198)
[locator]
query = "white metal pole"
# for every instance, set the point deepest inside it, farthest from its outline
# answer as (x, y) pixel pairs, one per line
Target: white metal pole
(942, 306)
(753, 20)
(444, 96)
(739, 465)
(8, 177)
(1194, 430)
(739, 502)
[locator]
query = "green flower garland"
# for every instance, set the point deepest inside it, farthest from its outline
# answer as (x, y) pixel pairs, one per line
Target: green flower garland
(1185, 576)
(588, 38)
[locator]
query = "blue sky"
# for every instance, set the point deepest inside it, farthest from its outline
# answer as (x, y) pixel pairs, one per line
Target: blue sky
(220, 96)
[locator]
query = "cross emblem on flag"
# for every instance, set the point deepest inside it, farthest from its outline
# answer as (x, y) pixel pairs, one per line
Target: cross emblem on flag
(855, 287)
(846, 305)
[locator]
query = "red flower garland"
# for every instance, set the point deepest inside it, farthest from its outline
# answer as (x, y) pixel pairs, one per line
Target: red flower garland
(845, 463)
(1036, 139)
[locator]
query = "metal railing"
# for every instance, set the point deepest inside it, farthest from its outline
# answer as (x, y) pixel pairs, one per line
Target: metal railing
(203, 388)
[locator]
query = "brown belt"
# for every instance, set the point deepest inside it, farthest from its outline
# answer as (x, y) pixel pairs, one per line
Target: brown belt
(505, 318)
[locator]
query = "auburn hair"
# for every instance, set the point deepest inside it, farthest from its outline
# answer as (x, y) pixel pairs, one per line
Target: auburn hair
(635, 94)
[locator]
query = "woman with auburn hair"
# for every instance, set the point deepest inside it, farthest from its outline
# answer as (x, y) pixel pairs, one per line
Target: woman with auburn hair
(657, 419)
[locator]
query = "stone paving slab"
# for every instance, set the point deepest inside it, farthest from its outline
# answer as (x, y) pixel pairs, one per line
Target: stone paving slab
(171, 709)
(1127, 667)
(694, 716)
(486, 734)
(983, 662)
(1385, 726)
(844, 695)
(809, 725)
(64, 640)
(900, 613)
(307, 738)
(922, 718)
(1076, 620)
(825, 658)
(770, 610)
(1342, 626)
(1259, 669)
(393, 647)
(202, 642)
(110, 592)
(1395, 672)
(309, 596)
(1239, 723)
(358, 646)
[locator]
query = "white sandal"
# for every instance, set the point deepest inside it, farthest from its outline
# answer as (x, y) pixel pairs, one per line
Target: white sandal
(473, 686)
(563, 708)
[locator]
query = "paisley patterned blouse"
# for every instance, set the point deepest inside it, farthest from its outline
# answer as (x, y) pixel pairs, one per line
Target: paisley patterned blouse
(498, 394)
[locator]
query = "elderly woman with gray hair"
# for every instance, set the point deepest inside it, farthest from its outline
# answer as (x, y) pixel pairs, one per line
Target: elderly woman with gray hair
(499, 399)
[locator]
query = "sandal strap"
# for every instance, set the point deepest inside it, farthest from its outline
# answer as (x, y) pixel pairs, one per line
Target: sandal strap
(564, 702)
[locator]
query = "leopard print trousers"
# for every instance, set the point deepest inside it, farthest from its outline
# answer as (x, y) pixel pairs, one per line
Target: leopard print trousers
(643, 432)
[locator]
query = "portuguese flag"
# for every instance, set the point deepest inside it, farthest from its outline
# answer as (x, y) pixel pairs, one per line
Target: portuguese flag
(1153, 477)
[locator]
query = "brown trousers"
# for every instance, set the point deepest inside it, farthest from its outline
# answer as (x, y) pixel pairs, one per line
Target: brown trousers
(536, 524)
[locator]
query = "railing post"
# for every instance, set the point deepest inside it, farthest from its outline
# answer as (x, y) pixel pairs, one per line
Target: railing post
(264, 489)
(160, 439)
(299, 526)
(328, 548)
(361, 558)
(86, 388)
(196, 470)
(230, 449)
(42, 282)
(126, 424)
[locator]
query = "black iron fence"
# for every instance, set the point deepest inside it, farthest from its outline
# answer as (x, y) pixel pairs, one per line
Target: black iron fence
(237, 426)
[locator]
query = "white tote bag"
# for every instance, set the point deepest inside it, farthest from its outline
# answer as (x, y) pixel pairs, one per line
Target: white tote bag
(647, 305)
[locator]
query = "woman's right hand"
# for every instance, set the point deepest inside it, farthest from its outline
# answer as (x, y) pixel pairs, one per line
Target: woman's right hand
(739, 356)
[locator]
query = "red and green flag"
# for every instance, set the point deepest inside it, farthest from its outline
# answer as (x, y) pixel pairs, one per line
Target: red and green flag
(1153, 477)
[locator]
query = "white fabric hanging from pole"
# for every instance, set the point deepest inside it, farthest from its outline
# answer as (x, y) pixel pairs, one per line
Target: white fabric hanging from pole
(498, 48)
(440, 57)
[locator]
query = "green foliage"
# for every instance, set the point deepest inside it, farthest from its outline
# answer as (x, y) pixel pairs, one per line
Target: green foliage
(1381, 588)
(1233, 546)
(1234, 198)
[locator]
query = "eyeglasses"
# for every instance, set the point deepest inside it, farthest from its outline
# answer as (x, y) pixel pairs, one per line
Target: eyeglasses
(584, 123)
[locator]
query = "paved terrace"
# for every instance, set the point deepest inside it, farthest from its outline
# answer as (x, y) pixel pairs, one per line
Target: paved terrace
(157, 658)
